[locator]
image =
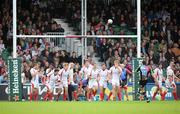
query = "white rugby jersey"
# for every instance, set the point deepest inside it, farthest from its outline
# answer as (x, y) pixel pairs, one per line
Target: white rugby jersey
(170, 73)
(103, 74)
(159, 74)
(115, 72)
(35, 79)
(52, 78)
(86, 71)
(64, 74)
(94, 73)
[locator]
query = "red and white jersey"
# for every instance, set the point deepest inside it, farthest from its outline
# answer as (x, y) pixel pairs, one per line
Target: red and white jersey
(158, 74)
(94, 73)
(64, 74)
(115, 72)
(52, 78)
(34, 74)
(86, 71)
(170, 74)
(103, 74)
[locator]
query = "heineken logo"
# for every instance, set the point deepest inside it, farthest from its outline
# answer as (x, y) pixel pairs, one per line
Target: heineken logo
(15, 81)
(14, 66)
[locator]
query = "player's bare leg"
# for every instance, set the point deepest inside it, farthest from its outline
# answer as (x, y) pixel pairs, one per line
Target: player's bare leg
(36, 94)
(89, 93)
(126, 93)
(59, 93)
(119, 93)
(174, 92)
(155, 93)
(65, 93)
(101, 93)
(115, 92)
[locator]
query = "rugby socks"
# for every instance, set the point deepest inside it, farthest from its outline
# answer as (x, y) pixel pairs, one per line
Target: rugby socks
(175, 95)
(50, 96)
(57, 98)
(30, 96)
(101, 96)
(94, 92)
(119, 96)
(46, 96)
(75, 95)
(64, 97)
(110, 94)
(164, 95)
(154, 95)
(36, 96)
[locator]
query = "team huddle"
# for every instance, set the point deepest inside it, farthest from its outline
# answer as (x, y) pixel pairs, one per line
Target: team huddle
(90, 78)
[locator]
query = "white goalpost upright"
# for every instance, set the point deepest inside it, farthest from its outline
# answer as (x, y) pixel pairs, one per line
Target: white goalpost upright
(138, 28)
(14, 29)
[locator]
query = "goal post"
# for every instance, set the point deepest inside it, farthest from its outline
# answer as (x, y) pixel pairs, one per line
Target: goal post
(83, 35)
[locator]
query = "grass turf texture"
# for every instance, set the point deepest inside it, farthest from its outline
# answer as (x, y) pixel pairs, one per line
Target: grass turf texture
(131, 107)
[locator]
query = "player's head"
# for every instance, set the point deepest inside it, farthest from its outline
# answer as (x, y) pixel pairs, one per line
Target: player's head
(103, 65)
(116, 63)
(36, 65)
(172, 64)
(86, 62)
(94, 65)
(56, 71)
(65, 66)
(143, 62)
(122, 66)
(160, 65)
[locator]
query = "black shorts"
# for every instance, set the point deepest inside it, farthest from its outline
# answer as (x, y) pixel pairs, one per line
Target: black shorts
(123, 83)
(143, 83)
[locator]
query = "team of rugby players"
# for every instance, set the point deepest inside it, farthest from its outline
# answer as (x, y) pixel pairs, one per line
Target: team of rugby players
(90, 78)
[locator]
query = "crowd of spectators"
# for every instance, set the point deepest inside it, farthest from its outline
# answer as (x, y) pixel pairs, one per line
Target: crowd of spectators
(160, 37)
(160, 32)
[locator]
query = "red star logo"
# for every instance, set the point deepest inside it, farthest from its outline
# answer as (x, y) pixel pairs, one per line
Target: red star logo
(16, 98)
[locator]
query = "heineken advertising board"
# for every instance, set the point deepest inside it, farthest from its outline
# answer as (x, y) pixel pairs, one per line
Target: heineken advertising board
(150, 88)
(14, 76)
(136, 62)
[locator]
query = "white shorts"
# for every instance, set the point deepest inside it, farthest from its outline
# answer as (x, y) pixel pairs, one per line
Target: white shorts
(50, 87)
(170, 84)
(103, 83)
(159, 84)
(64, 84)
(115, 83)
(92, 83)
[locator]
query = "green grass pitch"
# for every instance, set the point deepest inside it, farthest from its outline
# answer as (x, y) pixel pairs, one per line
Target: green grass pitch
(131, 107)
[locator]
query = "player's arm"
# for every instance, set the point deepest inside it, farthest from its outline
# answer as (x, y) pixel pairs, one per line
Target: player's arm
(33, 72)
(175, 77)
(119, 69)
(128, 71)
(109, 77)
(50, 73)
(154, 75)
